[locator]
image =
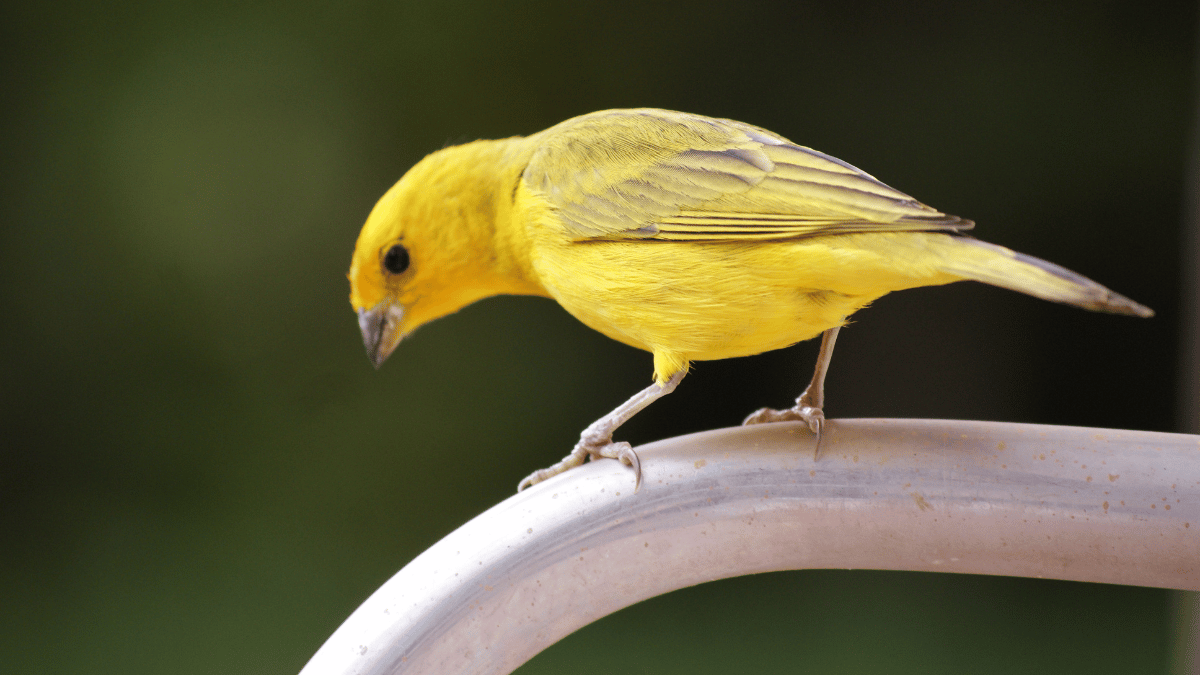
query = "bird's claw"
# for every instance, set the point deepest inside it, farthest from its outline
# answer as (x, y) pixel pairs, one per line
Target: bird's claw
(768, 415)
(590, 447)
(626, 455)
(812, 416)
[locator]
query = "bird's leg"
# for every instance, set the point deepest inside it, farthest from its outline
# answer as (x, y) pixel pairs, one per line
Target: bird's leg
(808, 408)
(596, 440)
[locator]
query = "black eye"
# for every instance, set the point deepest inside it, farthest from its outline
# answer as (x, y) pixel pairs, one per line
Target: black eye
(396, 259)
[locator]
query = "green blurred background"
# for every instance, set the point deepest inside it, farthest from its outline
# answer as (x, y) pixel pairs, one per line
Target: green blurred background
(201, 473)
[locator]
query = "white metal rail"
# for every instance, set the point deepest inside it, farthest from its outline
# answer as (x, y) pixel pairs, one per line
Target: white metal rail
(1071, 503)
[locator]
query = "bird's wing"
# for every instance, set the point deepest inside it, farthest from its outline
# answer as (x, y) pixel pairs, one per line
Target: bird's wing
(653, 174)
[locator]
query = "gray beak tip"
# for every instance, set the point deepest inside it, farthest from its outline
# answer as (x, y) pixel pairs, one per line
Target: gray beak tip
(380, 328)
(376, 360)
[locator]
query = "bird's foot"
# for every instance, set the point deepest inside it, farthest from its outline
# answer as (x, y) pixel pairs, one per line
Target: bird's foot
(811, 415)
(590, 446)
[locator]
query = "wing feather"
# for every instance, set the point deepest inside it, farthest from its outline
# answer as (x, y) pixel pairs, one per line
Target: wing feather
(655, 174)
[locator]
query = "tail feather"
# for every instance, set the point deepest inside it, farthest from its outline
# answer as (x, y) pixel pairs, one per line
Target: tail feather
(1006, 268)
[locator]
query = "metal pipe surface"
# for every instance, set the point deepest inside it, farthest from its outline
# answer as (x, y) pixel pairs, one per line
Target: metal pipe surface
(1080, 504)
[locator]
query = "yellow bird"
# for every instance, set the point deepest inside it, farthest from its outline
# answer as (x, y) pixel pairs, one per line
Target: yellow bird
(690, 237)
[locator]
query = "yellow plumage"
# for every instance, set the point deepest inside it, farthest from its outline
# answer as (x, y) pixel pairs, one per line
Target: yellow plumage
(690, 237)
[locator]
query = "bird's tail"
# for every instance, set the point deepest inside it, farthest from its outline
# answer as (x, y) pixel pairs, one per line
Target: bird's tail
(999, 266)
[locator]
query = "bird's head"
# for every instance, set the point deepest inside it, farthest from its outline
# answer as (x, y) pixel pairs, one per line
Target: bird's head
(380, 272)
(428, 247)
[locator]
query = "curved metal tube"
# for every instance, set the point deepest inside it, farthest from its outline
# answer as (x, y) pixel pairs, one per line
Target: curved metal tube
(1072, 503)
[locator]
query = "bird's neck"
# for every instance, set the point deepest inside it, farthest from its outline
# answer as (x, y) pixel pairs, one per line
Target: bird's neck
(475, 185)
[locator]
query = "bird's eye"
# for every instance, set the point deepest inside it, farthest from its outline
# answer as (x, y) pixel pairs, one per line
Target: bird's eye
(396, 259)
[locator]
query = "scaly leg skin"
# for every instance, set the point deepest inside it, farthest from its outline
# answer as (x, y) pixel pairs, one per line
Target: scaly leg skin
(596, 440)
(808, 408)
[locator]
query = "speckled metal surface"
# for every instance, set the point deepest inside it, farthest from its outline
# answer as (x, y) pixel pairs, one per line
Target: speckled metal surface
(1072, 503)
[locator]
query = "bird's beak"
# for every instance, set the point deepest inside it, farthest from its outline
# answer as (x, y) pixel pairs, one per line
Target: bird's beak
(380, 328)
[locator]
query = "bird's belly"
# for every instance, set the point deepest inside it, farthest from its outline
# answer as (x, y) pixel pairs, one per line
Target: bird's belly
(705, 303)
(703, 328)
